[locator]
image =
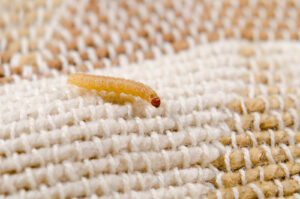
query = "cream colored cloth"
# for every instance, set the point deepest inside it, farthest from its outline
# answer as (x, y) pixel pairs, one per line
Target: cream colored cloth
(59, 141)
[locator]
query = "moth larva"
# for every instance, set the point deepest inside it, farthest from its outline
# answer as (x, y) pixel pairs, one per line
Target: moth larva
(117, 85)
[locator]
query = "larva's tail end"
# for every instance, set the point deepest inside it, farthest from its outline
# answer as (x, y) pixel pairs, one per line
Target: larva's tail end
(155, 102)
(71, 79)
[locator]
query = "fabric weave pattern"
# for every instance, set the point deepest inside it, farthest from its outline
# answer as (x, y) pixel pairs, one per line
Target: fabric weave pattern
(227, 126)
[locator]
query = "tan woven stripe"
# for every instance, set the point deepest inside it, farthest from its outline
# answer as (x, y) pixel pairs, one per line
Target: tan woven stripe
(258, 156)
(267, 188)
(289, 197)
(270, 89)
(268, 172)
(265, 121)
(261, 137)
(262, 78)
(259, 105)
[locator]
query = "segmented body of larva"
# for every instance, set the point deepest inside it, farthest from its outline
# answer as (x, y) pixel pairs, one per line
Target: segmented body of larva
(117, 85)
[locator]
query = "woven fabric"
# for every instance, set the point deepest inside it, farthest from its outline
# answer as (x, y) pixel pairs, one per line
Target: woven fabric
(227, 126)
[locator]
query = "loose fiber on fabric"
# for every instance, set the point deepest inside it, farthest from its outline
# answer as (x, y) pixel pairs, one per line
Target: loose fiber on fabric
(227, 73)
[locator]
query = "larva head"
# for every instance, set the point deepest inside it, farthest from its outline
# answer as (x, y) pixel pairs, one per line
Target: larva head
(155, 101)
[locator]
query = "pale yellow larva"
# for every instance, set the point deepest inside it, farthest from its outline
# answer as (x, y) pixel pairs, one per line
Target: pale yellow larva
(117, 85)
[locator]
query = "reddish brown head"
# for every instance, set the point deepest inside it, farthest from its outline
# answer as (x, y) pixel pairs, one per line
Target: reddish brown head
(155, 102)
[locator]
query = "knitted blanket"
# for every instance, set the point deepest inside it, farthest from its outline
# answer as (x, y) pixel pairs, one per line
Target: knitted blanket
(227, 73)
